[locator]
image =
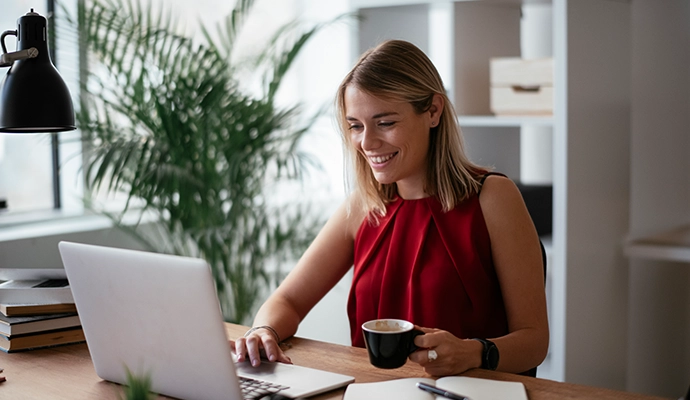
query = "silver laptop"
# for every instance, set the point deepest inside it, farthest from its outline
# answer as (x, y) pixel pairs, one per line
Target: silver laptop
(159, 315)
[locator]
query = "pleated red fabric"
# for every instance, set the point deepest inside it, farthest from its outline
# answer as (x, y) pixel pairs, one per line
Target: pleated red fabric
(429, 267)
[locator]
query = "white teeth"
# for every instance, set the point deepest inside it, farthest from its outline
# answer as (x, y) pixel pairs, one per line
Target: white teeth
(381, 159)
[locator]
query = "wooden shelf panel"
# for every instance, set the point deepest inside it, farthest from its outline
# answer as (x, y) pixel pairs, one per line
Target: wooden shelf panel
(671, 245)
(393, 3)
(507, 122)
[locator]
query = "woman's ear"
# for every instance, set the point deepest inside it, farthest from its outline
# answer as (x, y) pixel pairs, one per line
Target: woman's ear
(436, 109)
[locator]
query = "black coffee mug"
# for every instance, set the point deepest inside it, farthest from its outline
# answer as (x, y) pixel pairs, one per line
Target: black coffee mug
(389, 341)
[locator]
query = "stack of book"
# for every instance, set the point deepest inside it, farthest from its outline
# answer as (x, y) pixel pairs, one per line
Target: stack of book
(36, 313)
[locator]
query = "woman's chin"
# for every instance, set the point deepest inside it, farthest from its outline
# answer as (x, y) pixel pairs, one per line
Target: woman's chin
(384, 180)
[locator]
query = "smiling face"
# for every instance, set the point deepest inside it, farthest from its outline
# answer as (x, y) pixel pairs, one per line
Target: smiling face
(399, 131)
(392, 137)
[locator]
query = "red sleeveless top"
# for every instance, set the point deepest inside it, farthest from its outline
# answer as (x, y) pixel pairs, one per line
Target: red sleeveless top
(429, 267)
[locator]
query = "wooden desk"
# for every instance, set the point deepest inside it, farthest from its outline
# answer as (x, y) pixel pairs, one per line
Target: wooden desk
(67, 373)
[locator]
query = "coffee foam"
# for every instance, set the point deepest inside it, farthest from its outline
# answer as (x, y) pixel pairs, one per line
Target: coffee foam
(388, 325)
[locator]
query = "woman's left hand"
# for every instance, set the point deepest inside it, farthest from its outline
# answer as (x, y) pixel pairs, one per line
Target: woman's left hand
(453, 355)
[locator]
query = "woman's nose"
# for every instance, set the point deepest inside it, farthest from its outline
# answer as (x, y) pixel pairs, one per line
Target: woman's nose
(369, 140)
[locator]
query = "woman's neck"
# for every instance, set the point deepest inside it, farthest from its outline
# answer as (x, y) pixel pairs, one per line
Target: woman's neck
(411, 191)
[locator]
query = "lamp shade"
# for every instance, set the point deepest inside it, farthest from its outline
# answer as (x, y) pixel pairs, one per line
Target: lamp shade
(33, 96)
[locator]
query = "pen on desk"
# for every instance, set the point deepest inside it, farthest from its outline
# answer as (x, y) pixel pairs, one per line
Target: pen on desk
(441, 392)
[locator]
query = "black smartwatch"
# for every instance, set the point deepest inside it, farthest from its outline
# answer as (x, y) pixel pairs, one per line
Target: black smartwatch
(489, 355)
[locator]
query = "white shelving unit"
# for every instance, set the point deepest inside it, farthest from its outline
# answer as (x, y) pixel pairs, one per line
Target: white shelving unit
(587, 157)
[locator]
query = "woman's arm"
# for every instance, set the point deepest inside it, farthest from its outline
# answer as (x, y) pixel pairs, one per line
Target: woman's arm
(517, 258)
(324, 263)
(518, 262)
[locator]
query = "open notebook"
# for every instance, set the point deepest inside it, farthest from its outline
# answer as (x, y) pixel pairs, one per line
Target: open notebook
(159, 315)
(406, 389)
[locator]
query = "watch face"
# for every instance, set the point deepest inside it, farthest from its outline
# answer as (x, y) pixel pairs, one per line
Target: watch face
(491, 356)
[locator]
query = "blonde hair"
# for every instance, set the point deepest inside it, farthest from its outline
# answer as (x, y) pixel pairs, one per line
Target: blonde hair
(397, 70)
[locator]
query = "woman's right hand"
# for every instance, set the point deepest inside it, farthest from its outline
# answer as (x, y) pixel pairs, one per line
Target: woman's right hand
(259, 343)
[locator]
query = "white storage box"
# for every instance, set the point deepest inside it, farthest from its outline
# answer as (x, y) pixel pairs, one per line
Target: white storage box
(521, 87)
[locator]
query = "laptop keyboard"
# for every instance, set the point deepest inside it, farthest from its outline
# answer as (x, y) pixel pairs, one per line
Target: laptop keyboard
(256, 389)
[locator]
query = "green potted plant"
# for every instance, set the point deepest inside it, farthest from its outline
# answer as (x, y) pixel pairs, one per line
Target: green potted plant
(166, 122)
(137, 388)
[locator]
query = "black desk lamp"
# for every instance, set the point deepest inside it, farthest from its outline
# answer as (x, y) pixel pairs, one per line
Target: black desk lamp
(33, 97)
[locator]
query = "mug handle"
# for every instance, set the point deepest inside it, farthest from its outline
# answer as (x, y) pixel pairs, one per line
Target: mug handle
(413, 347)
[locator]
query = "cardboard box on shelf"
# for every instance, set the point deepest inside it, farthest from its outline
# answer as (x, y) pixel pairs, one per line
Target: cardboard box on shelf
(521, 87)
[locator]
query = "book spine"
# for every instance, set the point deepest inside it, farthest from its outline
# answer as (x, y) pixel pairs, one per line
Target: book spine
(44, 339)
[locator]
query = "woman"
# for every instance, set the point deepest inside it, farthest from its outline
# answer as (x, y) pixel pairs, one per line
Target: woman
(433, 238)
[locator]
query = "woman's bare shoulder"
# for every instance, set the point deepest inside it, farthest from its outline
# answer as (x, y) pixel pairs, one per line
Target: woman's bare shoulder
(498, 184)
(498, 193)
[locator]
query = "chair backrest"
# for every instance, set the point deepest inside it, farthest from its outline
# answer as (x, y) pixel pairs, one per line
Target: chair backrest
(543, 258)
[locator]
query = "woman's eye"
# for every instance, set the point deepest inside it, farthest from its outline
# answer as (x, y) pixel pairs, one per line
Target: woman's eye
(355, 127)
(386, 124)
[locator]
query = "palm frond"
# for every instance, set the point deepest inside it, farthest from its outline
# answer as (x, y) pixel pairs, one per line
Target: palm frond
(229, 29)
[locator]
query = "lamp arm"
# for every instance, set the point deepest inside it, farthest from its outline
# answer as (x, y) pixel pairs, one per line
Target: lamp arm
(7, 59)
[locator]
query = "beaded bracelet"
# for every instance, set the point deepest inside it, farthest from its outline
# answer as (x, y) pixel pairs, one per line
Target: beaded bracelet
(268, 328)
